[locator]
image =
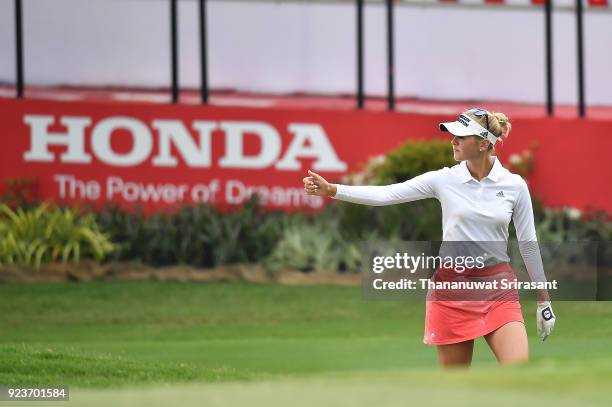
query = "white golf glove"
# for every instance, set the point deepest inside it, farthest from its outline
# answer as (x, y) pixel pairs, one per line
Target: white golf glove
(545, 319)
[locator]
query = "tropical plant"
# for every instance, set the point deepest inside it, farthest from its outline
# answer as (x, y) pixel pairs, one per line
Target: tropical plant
(47, 233)
(314, 244)
(405, 162)
(201, 235)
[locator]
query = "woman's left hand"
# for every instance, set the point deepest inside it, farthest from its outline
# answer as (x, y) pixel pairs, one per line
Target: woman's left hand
(545, 319)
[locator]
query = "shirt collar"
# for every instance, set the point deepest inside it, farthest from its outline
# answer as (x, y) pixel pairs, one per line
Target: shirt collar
(494, 174)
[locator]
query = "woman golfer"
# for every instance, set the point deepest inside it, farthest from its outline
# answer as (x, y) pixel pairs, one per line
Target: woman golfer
(479, 197)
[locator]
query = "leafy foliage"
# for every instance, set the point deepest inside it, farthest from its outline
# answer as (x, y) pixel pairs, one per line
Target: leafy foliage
(414, 221)
(413, 158)
(200, 236)
(47, 233)
(314, 245)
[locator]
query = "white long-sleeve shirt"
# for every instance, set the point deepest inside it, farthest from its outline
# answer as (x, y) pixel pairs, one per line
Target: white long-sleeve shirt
(472, 211)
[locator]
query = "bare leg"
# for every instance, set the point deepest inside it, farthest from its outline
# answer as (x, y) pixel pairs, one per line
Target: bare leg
(456, 355)
(509, 343)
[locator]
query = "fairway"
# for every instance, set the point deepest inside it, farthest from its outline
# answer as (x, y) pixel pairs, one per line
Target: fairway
(155, 343)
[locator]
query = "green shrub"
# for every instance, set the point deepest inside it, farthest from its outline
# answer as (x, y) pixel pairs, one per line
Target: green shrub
(421, 220)
(411, 159)
(201, 236)
(314, 244)
(240, 236)
(558, 228)
(47, 233)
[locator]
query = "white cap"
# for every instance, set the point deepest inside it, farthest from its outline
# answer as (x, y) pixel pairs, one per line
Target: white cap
(466, 126)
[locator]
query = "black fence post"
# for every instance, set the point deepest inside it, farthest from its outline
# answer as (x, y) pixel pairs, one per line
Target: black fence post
(19, 47)
(390, 57)
(203, 52)
(549, 58)
(579, 47)
(360, 91)
(174, 50)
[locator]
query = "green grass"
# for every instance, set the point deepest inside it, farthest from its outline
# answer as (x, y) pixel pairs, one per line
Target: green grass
(233, 344)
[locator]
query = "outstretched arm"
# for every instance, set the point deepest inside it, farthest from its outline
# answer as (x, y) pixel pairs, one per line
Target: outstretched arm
(419, 187)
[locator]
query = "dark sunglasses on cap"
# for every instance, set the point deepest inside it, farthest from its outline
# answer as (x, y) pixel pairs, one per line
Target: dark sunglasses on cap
(478, 112)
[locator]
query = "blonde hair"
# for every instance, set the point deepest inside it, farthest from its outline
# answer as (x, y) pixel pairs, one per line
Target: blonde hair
(499, 124)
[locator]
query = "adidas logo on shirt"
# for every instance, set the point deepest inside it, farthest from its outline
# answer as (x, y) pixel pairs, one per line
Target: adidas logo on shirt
(500, 194)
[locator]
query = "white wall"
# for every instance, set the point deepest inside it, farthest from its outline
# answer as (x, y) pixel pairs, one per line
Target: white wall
(449, 52)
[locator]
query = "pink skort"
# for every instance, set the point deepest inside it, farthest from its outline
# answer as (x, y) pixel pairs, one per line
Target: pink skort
(453, 316)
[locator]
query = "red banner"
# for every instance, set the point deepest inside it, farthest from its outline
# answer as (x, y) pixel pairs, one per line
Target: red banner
(165, 156)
